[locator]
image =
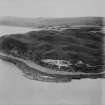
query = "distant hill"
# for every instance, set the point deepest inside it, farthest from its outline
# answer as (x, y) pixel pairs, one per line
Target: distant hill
(51, 22)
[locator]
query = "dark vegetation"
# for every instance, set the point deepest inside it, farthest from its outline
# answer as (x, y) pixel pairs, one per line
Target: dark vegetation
(9, 45)
(70, 44)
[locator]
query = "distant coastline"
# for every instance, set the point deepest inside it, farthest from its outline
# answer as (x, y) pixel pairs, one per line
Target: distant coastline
(52, 23)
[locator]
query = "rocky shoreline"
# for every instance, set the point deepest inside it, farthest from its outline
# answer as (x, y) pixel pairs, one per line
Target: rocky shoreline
(35, 74)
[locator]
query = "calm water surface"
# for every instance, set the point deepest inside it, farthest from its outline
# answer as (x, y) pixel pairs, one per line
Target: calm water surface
(16, 89)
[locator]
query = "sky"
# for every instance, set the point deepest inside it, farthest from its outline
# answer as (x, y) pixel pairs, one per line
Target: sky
(51, 8)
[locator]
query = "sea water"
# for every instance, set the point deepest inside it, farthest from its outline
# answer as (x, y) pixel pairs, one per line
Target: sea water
(16, 89)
